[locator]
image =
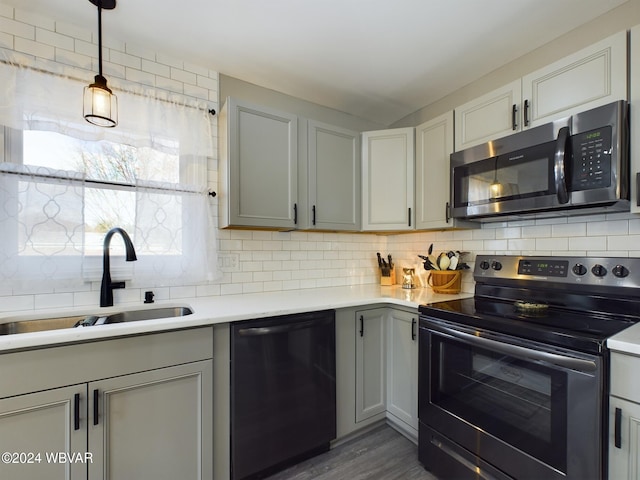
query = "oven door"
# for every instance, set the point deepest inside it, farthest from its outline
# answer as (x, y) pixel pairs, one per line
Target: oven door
(507, 407)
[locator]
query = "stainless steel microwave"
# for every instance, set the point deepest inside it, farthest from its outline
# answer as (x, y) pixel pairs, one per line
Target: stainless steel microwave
(579, 164)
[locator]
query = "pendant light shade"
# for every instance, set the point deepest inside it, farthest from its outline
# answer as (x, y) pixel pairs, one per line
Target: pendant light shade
(100, 105)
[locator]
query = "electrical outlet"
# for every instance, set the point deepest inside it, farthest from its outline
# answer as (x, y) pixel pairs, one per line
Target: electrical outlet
(229, 262)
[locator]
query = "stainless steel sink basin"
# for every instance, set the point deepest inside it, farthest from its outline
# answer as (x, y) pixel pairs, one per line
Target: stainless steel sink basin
(27, 325)
(38, 325)
(137, 315)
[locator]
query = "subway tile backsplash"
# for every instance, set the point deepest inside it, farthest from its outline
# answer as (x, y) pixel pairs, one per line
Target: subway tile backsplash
(264, 261)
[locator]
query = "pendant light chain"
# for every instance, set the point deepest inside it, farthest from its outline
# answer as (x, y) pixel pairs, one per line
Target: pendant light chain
(100, 37)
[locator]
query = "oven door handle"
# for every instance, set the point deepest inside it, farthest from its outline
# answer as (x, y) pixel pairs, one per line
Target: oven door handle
(522, 352)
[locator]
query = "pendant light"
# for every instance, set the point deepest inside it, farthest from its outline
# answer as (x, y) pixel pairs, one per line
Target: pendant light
(100, 104)
(495, 189)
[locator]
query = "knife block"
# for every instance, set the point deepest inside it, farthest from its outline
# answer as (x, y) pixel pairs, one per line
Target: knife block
(390, 280)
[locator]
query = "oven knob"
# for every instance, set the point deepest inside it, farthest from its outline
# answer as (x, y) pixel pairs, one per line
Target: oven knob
(496, 265)
(579, 269)
(484, 265)
(620, 271)
(598, 270)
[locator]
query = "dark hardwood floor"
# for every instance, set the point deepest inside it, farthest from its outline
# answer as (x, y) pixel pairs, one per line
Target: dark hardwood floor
(380, 454)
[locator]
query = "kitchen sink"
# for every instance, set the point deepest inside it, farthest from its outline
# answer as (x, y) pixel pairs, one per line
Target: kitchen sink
(27, 325)
(136, 315)
(38, 325)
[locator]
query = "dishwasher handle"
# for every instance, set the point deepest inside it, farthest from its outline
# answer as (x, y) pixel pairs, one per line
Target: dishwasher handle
(281, 328)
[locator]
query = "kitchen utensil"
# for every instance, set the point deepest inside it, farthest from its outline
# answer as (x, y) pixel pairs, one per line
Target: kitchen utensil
(427, 262)
(443, 261)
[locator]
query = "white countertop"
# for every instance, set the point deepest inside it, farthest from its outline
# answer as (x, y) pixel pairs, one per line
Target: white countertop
(218, 309)
(627, 341)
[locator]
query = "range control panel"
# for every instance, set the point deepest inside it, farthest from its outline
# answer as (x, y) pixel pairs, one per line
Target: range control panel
(614, 271)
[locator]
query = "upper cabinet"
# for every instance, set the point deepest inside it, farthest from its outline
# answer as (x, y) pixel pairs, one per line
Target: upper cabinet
(281, 171)
(634, 113)
(490, 116)
(594, 76)
(434, 145)
(333, 177)
(258, 166)
(388, 180)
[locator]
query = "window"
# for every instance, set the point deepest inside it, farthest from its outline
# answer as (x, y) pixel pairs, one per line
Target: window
(64, 184)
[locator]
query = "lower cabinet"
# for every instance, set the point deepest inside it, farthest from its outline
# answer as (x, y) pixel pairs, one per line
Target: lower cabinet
(624, 455)
(155, 423)
(402, 370)
(377, 369)
(35, 428)
(371, 394)
(150, 425)
(624, 418)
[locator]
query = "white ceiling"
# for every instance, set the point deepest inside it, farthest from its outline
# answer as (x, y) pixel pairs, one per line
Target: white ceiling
(377, 59)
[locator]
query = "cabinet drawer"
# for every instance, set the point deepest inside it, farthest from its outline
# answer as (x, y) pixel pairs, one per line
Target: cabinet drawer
(52, 367)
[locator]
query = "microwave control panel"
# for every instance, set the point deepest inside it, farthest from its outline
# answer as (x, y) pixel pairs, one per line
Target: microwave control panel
(591, 166)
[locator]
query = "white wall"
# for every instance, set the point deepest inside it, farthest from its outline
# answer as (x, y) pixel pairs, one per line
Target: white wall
(267, 261)
(272, 261)
(621, 18)
(596, 235)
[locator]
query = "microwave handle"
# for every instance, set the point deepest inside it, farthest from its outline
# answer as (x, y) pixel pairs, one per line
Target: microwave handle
(559, 164)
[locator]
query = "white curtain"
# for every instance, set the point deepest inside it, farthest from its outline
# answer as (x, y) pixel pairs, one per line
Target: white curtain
(173, 228)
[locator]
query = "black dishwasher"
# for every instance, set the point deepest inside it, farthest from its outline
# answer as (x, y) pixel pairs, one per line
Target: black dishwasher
(283, 391)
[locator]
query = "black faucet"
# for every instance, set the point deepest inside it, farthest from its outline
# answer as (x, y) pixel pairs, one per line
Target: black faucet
(106, 289)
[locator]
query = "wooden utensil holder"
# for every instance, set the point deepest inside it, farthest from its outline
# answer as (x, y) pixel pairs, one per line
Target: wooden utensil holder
(390, 280)
(445, 281)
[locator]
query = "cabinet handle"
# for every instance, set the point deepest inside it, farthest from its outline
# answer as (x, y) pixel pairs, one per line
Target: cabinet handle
(313, 212)
(361, 326)
(447, 212)
(526, 113)
(96, 410)
(514, 111)
(76, 411)
(295, 213)
(618, 428)
(413, 329)
(409, 216)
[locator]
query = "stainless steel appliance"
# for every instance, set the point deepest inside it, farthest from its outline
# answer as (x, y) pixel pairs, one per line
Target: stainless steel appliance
(283, 391)
(578, 162)
(513, 382)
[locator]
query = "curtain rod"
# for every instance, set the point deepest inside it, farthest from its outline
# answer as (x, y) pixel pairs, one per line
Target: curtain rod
(211, 111)
(104, 183)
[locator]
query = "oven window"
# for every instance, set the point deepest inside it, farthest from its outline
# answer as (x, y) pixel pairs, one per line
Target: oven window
(519, 402)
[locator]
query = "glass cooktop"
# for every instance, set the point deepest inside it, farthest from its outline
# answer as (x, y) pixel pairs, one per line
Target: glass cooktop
(559, 326)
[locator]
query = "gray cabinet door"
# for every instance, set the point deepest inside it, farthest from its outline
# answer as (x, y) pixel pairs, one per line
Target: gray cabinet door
(402, 364)
(153, 425)
(259, 166)
(371, 362)
(36, 428)
(388, 180)
(624, 460)
(589, 78)
(334, 177)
